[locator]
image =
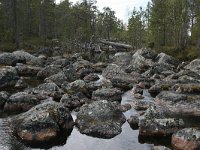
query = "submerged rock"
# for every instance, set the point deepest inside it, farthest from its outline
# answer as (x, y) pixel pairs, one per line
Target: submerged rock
(186, 139)
(100, 119)
(43, 123)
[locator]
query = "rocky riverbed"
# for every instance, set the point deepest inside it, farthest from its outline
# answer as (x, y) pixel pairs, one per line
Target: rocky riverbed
(139, 100)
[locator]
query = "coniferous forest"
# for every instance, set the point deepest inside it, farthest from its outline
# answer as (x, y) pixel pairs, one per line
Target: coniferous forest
(172, 26)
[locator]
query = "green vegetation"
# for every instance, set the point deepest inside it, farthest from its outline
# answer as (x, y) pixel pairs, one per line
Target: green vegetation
(171, 26)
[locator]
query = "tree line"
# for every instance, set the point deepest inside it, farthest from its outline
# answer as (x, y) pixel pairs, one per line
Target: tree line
(166, 25)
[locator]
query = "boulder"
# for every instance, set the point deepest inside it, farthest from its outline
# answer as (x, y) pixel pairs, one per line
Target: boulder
(48, 71)
(186, 139)
(21, 84)
(27, 70)
(139, 63)
(8, 59)
(46, 90)
(133, 122)
(91, 77)
(122, 59)
(171, 96)
(8, 77)
(73, 101)
(147, 53)
(166, 59)
(43, 123)
(110, 94)
(112, 71)
(194, 66)
(159, 127)
(100, 119)
(21, 101)
(61, 62)
(58, 78)
(75, 87)
(123, 83)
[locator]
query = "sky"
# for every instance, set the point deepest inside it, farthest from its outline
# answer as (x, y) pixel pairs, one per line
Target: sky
(122, 8)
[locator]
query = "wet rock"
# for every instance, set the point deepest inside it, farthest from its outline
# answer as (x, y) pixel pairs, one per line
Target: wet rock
(133, 122)
(157, 88)
(73, 101)
(8, 76)
(137, 90)
(3, 98)
(58, 78)
(48, 71)
(20, 101)
(110, 94)
(186, 139)
(100, 119)
(123, 83)
(43, 123)
(91, 77)
(159, 127)
(46, 90)
(194, 66)
(27, 70)
(166, 59)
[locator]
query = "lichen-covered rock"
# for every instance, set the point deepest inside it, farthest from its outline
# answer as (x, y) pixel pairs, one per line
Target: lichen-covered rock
(75, 87)
(46, 89)
(171, 96)
(159, 127)
(187, 88)
(100, 119)
(147, 53)
(58, 78)
(48, 71)
(73, 101)
(122, 59)
(21, 84)
(112, 71)
(61, 62)
(142, 105)
(8, 59)
(8, 77)
(21, 101)
(110, 94)
(27, 70)
(186, 139)
(139, 63)
(43, 123)
(133, 122)
(91, 77)
(164, 58)
(194, 66)
(123, 83)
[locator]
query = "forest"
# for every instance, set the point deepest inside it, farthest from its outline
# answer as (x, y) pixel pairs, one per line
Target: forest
(170, 26)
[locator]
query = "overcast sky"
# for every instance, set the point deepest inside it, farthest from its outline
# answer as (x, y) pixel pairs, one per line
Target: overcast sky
(121, 7)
